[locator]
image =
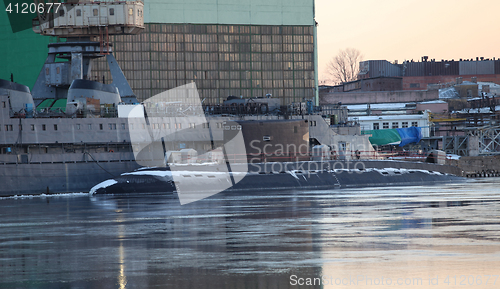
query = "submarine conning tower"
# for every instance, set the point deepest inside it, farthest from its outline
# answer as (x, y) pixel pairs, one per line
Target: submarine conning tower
(83, 29)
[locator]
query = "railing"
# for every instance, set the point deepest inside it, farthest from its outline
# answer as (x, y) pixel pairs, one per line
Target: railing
(323, 156)
(106, 112)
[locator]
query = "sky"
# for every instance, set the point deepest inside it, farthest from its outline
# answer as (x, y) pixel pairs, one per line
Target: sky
(408, 29)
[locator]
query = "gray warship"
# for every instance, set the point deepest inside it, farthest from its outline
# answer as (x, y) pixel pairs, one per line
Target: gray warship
(71, 133)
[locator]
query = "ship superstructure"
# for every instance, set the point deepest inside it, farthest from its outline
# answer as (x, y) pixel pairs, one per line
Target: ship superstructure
(65, 134)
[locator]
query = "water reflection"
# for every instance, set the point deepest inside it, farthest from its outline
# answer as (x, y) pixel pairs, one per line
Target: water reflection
(424, 238)
(348, 238)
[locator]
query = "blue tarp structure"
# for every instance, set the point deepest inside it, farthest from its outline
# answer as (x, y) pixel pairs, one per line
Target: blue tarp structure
(382, 137)
(410, 135)
(400, 136)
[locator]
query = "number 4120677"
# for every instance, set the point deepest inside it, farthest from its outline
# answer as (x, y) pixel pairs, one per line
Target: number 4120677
(471, 280)
(25, 8)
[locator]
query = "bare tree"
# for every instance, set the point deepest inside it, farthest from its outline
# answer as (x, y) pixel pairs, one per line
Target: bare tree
(344, 67)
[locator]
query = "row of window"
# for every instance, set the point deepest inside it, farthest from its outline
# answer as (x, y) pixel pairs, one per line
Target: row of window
(113, 126)
(385, 125)
(186, 68)
(177, 125)
(214, 47)
(207, 56)
(44, 127)
(95, 12)
(218, 38)
(230, 29)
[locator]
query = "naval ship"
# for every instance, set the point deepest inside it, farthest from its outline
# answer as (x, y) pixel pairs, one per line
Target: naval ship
(71, 133)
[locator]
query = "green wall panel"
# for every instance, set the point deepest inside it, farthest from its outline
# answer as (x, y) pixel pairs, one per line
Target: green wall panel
(247, 12)
(22, 53)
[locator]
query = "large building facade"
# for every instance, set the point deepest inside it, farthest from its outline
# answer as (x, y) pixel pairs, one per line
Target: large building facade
(243, 48)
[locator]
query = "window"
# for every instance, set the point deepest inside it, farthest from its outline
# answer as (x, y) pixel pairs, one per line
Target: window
(77, 126)
(8, 127)
(414, 85)
(90, 126)
(376, 126)
(404, 124)
(123, 126)
(100, 126)
(32, 127)
(395, 125)
(112, 126)
(20, 127)
(385, 125)
(414, 123)
(44, 127)
(111, 11)
(96, 13)
(4, 104)
(55, 126)
(130, 11)
(192, 125)
(78, 12)
(61, 12)
(342, 146)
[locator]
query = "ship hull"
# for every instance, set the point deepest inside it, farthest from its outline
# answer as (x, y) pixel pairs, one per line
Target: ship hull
(31, 179)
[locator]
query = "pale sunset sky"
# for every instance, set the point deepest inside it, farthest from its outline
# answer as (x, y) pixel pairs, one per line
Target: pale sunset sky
(408, 29)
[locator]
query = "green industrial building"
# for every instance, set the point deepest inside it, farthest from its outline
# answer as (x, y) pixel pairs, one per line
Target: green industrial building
(245, 48)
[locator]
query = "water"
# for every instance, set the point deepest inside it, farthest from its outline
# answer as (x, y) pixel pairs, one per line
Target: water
(445, 236)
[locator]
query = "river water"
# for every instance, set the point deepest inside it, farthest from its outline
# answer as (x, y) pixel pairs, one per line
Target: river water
(445, 236)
